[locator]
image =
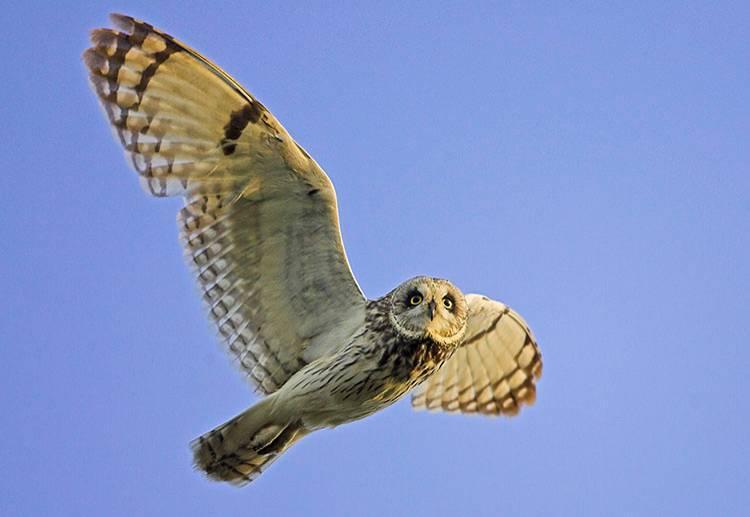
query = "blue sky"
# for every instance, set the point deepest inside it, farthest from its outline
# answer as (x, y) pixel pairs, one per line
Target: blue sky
(589, 165)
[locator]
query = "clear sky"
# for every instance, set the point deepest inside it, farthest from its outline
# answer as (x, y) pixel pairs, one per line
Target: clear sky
(588, 165)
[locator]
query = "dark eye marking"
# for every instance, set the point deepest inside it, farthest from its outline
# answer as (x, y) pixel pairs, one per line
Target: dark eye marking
(414, 298)
(448, 302)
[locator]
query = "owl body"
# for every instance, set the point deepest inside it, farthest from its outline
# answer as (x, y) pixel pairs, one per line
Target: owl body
(401, 343)
(373, 370)
(260, 230)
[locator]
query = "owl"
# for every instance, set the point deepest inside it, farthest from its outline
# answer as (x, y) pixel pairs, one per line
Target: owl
(260, 229)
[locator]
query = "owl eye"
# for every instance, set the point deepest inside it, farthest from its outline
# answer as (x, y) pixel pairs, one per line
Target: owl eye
(448, 303)
(415, 299)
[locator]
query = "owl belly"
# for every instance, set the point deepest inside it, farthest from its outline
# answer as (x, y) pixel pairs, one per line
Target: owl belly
(360, 381)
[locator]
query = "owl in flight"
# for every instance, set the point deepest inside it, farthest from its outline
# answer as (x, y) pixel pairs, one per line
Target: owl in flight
(260, 230)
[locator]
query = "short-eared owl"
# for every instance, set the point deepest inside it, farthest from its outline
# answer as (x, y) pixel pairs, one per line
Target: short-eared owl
(260, 228)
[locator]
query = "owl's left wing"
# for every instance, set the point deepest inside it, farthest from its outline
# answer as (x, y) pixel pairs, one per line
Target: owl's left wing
(495, 370)
(260, 221)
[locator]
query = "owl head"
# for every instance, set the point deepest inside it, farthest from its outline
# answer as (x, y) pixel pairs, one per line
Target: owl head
(429, 307)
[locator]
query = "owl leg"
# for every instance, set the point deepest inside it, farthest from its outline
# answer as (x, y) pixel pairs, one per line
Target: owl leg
(290, 434)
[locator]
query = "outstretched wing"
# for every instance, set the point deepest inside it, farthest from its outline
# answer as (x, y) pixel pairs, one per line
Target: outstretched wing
(260, 222)
(493, 372)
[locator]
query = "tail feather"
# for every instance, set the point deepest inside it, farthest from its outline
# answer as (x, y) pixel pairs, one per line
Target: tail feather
(239, 450)
(238, 468)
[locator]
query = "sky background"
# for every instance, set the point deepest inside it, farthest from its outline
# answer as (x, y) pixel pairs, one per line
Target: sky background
(588, 165)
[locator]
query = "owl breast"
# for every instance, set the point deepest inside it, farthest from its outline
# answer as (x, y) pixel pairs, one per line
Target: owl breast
(402, 366)
(414, 360)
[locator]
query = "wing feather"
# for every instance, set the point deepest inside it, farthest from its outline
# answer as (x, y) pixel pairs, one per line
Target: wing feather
(494, 371)
(260, 222)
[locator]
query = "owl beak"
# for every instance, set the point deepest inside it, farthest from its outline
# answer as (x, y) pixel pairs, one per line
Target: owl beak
(431, 309)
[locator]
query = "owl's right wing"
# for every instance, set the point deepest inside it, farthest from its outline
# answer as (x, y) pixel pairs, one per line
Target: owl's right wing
(493, 372)
(260, 222)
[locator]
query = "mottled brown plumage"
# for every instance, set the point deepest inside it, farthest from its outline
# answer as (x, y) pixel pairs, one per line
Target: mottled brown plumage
(260, 230)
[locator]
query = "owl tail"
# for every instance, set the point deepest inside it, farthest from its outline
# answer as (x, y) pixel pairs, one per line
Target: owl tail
(239, 450)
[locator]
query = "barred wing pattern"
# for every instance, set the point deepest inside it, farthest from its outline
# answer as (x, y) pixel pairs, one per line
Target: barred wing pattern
(260, 222)
(493, 372)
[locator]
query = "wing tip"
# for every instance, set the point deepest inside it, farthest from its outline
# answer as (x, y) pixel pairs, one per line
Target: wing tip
(92, 60)
(124, 22)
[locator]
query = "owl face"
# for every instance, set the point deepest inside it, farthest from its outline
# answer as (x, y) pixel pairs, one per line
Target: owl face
(429, 307)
